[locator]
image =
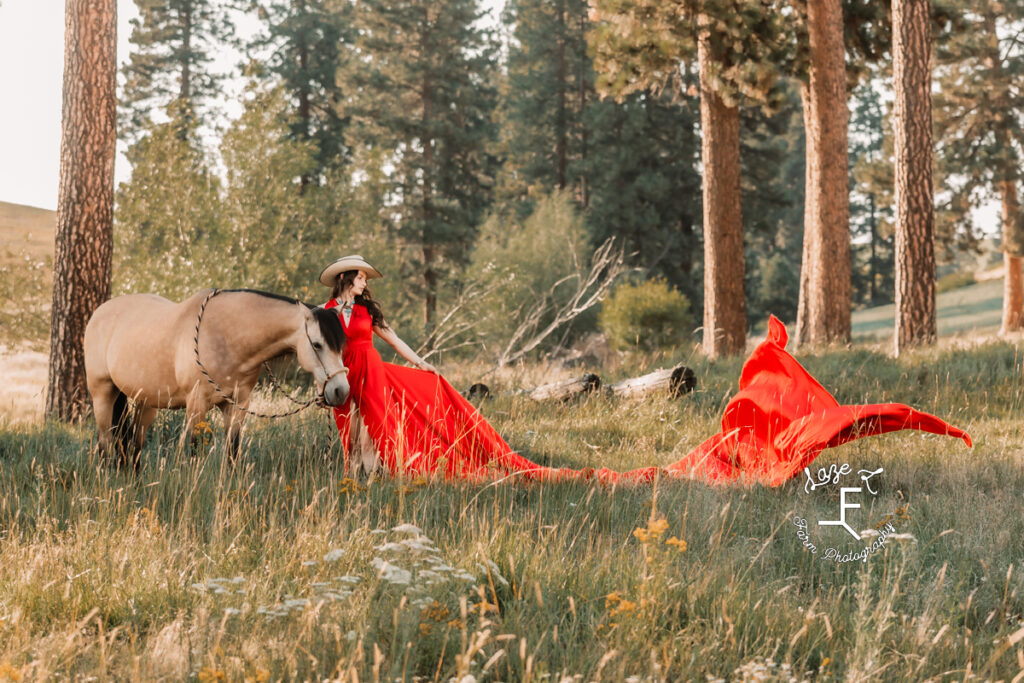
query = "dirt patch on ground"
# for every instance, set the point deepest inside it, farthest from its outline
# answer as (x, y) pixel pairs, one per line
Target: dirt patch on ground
(23, 384)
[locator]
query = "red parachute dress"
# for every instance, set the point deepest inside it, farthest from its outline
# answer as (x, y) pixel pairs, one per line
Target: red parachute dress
(777, 424)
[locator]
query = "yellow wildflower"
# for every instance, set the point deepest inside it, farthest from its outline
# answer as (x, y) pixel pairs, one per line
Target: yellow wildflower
(435, 611)
(425, 629)
(679, 544)
(658, 526)
(624, 607)
(612, 598)
(208, 673)
(654, 530)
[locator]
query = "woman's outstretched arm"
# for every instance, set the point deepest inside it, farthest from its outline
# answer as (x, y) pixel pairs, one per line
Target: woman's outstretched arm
(403, 349)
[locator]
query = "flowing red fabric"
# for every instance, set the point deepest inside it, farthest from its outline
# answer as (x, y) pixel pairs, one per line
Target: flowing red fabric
(777, 424)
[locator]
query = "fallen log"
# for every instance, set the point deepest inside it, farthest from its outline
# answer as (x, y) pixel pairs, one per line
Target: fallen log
(566, 389)
(673, 381)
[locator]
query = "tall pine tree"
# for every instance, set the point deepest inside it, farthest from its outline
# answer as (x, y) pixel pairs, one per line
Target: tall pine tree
(169, 73)
(644, 184)
(871, 197)
(422, 88)
(85, 204)
(549, 87)
(631, 163)
(979, 110)
(303, 42)
(914, 190)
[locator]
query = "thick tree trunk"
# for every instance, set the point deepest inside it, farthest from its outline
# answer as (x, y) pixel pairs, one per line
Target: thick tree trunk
(85, 205)
(915, 210)
(824, 308)
(725, 312)
(1013, 281)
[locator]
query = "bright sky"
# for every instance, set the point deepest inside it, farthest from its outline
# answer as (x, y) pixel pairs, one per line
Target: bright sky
(31, 75)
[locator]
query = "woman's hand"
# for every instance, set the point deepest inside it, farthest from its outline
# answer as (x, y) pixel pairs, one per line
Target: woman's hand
(424, 365)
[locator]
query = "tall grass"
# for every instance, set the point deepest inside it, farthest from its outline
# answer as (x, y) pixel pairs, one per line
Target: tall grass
(282, 567)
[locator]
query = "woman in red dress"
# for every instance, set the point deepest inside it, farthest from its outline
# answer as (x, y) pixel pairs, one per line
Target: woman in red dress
(418, 422)
(777, 424)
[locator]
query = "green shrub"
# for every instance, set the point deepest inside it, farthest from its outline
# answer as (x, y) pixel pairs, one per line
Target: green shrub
(650, 315)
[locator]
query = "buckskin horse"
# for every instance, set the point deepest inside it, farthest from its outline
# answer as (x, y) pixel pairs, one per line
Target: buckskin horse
(148, 349)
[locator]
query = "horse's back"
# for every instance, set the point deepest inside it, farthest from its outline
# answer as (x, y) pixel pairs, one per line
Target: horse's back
(134, 340)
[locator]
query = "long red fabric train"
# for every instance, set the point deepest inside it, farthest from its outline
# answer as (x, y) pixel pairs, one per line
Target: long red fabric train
(777, 424)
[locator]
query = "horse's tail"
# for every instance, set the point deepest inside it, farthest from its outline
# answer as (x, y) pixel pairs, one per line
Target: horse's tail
(122, 425)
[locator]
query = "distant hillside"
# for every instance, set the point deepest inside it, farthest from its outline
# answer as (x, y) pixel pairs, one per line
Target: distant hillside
(26, 229)
(977, 308)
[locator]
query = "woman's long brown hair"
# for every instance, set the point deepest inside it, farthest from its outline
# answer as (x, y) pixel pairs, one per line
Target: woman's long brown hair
(344, 281)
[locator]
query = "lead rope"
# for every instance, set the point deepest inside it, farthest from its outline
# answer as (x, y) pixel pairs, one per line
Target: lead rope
(223, 394)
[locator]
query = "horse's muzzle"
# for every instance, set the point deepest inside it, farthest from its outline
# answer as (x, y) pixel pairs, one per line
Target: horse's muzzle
(336, 391)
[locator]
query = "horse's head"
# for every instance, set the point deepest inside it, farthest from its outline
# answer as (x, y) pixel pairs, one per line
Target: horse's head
(319, 352)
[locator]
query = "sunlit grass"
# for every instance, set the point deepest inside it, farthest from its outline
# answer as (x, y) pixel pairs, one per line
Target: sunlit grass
(284, 567)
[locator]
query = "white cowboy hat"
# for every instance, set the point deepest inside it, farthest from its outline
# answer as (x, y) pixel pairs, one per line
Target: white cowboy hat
(345, 263)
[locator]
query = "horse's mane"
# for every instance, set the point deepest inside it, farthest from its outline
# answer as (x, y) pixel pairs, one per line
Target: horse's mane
(270, 295)
(330, 326)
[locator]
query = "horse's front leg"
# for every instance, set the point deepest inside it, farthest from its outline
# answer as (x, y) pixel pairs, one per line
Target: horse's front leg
(144, 418)
(234, 417)
(196, 408)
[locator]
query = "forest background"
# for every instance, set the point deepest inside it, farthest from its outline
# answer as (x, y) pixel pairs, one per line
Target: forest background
(529, 165)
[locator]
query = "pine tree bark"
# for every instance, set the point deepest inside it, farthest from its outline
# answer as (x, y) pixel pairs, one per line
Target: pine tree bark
(85, 205)
(1013, 280)
(725, 312)
(914, 199)
(823, 313)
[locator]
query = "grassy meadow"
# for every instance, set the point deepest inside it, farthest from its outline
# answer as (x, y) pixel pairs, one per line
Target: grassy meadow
(284, 568)
(963, 311)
